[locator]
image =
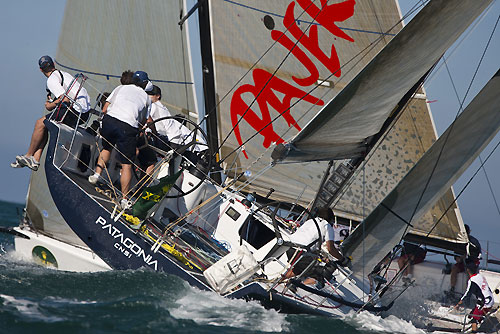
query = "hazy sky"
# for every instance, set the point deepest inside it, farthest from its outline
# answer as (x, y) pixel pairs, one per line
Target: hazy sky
(30, 29)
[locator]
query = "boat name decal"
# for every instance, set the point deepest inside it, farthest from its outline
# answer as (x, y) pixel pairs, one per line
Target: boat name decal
(266, 85)
(125, 245)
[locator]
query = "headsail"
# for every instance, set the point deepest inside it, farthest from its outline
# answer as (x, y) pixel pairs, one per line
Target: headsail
(438, 169)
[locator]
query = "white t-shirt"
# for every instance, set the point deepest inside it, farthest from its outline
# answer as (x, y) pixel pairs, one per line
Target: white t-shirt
(172, 129)
(82, 101)
(129, 104)
(341, 233)
(478, 286)
(308, 232)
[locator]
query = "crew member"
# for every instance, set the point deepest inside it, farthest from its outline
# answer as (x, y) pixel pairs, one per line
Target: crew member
(57, 84)
(171, 133)
(410, 255)
(477, 286)
(473, 257)
(307, 235)
(126, 110)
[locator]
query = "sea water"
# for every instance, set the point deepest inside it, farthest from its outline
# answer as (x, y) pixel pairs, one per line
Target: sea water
(34, 299)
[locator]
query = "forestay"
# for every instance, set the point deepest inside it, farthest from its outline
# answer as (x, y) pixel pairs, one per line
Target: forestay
(438, 169)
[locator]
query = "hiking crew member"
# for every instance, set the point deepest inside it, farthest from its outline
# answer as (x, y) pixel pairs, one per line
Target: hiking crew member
(126, 110)
(473, 256)
(477, 286)
(307, 234)
(57, 84)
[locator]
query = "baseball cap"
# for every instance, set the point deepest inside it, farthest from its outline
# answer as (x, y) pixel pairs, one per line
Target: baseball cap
(45, 61)
(140, 77)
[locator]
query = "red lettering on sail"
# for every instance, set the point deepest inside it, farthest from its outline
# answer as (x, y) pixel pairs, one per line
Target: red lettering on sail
(266, 98)
(326, 16)
(329, 14)
(300, 55)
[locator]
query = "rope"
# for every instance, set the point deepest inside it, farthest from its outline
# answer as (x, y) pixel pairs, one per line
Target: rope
(274, 73)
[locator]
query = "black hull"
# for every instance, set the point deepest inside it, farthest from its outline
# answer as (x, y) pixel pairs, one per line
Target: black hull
(113, 242)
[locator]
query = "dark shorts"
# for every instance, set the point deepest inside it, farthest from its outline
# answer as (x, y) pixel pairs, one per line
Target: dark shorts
(146, 156)
(70, 118)
(121, 134)
(414, 253)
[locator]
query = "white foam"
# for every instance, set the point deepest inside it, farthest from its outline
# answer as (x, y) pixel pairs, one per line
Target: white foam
(208, 308)
(28, 309)
(390, 324)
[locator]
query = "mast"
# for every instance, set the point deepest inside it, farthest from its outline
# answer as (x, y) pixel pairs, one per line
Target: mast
(208, 76)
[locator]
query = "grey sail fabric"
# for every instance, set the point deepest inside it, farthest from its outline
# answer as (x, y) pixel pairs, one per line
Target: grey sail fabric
(336, 46)
(428, 180)
(359, 111)
(109, 37)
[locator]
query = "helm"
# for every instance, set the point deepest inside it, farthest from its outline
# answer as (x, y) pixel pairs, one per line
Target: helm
(45, 62)
(140, 78)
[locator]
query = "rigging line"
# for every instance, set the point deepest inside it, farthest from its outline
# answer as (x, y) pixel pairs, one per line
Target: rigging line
(273, 74)
(371, 45)
(459, 43)
(461, 102)
(489, 185)
(452, 125)
(372, 7)
(372, 151)
(365, 51)
(118, 76)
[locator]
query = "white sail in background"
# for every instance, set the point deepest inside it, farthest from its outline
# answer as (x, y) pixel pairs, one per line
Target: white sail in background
(438, 169)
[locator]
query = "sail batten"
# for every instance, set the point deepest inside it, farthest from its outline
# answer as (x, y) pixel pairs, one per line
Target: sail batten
(428, 180)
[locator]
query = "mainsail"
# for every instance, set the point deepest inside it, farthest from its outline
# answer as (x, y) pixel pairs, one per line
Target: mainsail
(438, 169)
(281, 50)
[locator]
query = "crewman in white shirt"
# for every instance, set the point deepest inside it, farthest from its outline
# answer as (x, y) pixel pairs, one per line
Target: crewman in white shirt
(126, 110)
(171, 131)
(61, 107)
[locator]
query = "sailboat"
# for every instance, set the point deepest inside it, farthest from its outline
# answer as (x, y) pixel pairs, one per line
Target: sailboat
(303, 104)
